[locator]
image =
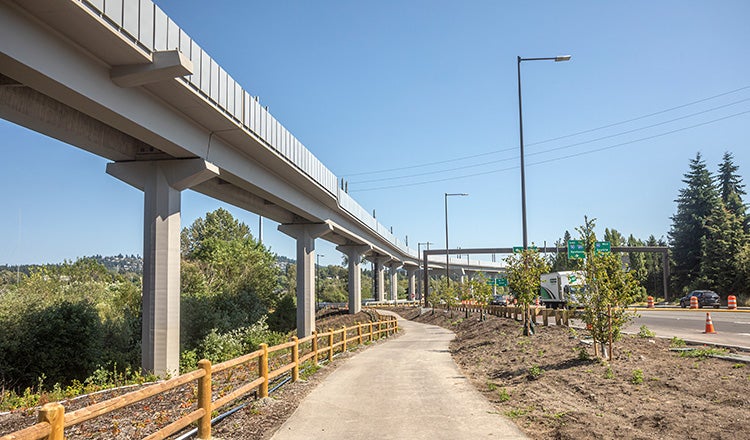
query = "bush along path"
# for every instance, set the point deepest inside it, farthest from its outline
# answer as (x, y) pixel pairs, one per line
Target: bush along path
(145, 417)
(551, 386)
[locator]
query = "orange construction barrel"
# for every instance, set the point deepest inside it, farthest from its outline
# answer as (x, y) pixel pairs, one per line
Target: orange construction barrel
(693, 302)
(650, 302)
(732, 302)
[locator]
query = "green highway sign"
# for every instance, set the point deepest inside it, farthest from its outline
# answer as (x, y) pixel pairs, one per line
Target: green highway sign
(603, 247)
(575, 249)
(500, 282)
(519, 249)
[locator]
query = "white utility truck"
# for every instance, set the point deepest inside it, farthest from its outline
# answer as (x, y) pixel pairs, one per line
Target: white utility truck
(560, 289)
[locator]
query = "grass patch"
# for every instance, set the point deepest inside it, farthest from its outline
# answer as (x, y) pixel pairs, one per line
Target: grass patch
(518, 412)
(677, 342)
(703, 353)
(503, 395)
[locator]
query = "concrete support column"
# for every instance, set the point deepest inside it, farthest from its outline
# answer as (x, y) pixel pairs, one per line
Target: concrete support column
(161, 182)
(380, 263)
(305, 234)
(411, 274)
(394, 280)
(354, 254)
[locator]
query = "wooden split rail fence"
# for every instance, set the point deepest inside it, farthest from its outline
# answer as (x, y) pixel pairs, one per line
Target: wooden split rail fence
(561, 316)
(52, 418)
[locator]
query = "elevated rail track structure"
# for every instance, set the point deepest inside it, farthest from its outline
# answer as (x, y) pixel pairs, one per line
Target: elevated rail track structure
(120, 79)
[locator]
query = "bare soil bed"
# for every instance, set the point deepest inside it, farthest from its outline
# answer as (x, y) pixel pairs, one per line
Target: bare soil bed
(257, 419)
(550, 390)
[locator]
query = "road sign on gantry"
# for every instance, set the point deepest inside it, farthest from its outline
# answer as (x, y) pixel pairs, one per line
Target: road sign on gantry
(575, 249)
(602, 247)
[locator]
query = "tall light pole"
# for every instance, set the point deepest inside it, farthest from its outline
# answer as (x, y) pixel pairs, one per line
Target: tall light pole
(447, 258)
(317, 279)
(520, 126)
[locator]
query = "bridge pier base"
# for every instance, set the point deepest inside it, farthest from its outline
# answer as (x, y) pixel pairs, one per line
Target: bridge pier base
(380, 263)
(411, 275)
(161, 183)
(354, 254)
(393, 266)
(305, 234)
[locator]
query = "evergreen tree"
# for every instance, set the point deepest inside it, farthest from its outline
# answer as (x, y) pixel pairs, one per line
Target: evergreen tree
(730, 187)
(560, 261)
(637, 262)
(694, 205)
(720, 249)
(614, 237)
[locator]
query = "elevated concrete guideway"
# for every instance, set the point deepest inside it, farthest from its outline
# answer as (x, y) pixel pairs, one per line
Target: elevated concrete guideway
(119, 79)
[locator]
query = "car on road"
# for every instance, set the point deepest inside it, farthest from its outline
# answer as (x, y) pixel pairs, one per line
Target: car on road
(497, 300)
(706, 298)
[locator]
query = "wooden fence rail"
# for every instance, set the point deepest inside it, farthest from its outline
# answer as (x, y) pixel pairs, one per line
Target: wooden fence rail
(562, 316)
(52, 418)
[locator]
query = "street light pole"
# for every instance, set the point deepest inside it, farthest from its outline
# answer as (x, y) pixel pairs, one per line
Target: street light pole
(520, 129)
(447, 258)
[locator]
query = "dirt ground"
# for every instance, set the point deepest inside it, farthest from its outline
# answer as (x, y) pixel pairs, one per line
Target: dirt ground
(550, 390)
(542, 383)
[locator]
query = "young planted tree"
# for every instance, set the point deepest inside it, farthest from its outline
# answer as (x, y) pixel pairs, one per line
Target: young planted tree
(524, 272)
(609, 289)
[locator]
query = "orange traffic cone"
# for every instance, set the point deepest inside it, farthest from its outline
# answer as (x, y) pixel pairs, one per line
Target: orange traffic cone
(709, 324)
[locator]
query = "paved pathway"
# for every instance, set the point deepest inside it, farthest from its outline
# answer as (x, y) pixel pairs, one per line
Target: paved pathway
(406, 388)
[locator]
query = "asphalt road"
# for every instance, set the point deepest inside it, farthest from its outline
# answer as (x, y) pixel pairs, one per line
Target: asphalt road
(733, 328)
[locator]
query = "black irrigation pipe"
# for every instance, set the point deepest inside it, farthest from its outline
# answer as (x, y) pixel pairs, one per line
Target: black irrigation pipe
(222, 416)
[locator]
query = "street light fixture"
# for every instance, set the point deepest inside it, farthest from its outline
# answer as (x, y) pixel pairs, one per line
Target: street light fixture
(447, 258)
(520, 125)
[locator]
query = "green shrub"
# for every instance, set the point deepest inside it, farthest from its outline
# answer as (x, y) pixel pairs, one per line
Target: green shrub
(535, 372)
(645, 332)
(637, 377)
(60, 341)
(284, 318)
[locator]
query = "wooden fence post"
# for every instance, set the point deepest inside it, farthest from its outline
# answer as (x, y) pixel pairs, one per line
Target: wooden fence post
(359, 333)
(204, 400)
(54, 414)
(295, 359)
(343, 339)
(330, 345)
(545, 318)
(370, 333)
(263, 370)
(315, 346)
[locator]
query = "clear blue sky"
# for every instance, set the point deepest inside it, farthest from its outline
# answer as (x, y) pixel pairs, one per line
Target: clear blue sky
(371, 86)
